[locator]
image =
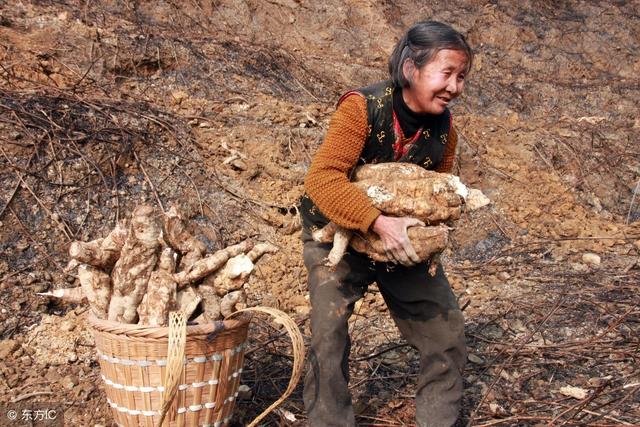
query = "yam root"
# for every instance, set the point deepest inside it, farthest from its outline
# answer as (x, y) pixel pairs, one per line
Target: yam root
(237, 269)
(426, 241)
(405, 190)
(177, 236)
(101, 253)
(96, 286)
(390, 172)
(160, 298)
(161, 294)
(261, 249)
(210, 303)
(325, 234)
(341, 240)
(431, 200)
(167, 261)
(146, 283)
(232, 276)
(133, 269)
(208, 265)
(233, 302)
(72, 295)
(188, 300)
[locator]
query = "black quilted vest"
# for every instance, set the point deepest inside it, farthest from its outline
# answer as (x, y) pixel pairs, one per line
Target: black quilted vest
(427, 151)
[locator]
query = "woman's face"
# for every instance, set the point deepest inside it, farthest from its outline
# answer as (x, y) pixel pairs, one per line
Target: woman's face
(435, 83)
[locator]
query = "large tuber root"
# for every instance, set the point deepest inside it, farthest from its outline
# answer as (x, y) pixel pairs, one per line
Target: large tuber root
(101, 253)
(232, 276)
(432, 200)
(236, 271)
(405, 190)
(390, 172)
(159, 299)
(261, 249)
(340, 238)
(133, 269)
(161, 295)
(188, 300)
(145, 286)
(426, 241)
(96, 285)
(208, 265)
(210, 303)
(182, 241)
(326, 233)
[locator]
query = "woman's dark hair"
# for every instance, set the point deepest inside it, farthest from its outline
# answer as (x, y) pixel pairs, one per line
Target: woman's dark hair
(421, 43)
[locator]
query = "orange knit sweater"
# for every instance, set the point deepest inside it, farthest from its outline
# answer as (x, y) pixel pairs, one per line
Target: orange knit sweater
(327, 182)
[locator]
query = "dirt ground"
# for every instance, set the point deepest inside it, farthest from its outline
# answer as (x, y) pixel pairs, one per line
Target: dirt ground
(219, 106)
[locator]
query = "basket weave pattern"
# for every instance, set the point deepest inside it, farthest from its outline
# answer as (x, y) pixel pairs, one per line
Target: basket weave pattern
(133, 361)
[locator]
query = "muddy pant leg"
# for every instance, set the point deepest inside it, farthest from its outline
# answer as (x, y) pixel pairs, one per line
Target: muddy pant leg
(428, 316)
(333, 295)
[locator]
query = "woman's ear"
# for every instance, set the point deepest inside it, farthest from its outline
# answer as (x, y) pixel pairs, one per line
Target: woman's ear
(408, 69)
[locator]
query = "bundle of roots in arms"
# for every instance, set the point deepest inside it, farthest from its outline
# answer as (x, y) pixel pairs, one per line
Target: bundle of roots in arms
(405, 189)
(143, 269)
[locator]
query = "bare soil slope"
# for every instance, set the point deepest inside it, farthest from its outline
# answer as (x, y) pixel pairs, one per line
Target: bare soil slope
(219, 107)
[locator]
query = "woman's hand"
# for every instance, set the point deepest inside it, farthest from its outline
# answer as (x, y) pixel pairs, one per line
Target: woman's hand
(393, 233)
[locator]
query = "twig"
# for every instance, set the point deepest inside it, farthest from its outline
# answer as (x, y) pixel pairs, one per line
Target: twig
(13, 193)
(632, 201)
(512, 420)
(197, 191)
(36, 244)
(579, 405)
(30, 395)
(153, 188)
(535, 147)
(306, 90)
(504, 233)
(517, 349)
(275, 338)
(371, 356)
(504, 173)
(608, 417)
(629, 395)
(64, 227)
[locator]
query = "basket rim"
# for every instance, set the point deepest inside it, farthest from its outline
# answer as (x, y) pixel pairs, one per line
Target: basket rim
(146, 331)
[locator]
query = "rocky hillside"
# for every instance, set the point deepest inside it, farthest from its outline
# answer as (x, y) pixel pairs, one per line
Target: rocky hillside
(219, 107)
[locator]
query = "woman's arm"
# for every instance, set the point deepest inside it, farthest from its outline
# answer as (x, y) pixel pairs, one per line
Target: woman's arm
(327, 182)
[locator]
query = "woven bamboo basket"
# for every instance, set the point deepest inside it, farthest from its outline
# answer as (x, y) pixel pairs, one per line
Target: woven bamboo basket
(180, 375)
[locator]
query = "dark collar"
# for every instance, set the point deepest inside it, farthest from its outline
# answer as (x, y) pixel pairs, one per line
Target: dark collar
(410, 121)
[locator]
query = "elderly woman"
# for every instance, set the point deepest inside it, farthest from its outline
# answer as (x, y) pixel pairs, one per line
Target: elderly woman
(404, 119)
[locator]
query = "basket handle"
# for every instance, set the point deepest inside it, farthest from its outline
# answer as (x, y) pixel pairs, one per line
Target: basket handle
(298, 354)
(175, 360)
